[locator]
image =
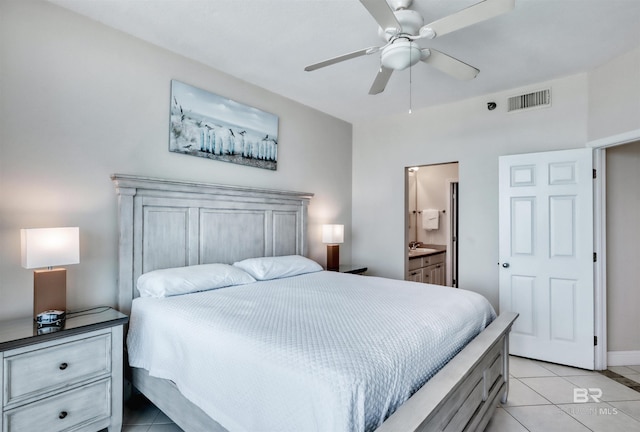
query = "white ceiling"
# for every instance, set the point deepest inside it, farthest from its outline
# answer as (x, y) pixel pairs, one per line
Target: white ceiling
(269, 42)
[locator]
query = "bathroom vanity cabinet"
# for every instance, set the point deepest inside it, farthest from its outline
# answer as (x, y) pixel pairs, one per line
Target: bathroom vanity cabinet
(428, 269)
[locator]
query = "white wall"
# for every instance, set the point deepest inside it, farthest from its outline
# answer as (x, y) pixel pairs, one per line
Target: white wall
(623, 247)
(80, 101)
(585, 107)
(614, 96)
(475, 137)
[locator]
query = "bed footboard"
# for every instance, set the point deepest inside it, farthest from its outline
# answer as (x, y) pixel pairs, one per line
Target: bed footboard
(463, 395)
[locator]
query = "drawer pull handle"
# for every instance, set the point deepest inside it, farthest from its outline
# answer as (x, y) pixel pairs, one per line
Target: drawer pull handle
(63, 366)
(62, 415)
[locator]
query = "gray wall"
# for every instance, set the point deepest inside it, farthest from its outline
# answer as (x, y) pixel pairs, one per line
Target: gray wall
(623, 247)
(80, 101)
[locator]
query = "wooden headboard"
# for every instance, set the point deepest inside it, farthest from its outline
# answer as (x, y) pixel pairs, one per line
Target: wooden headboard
(165, 223)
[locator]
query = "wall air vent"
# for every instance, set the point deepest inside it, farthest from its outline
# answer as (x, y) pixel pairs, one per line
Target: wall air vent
(537, 99)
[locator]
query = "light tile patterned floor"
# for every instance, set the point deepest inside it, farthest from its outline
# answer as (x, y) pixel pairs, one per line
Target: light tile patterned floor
(541, 399)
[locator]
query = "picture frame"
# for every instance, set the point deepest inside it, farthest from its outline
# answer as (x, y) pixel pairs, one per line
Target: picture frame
(208, 125)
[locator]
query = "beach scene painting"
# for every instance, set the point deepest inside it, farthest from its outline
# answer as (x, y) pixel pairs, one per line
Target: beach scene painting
(207, 125)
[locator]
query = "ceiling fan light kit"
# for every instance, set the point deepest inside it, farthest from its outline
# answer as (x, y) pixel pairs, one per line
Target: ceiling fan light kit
(401, 55)
(400, 27)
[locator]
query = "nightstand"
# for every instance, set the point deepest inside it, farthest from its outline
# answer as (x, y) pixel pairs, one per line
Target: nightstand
(352, 269)
(70, 379)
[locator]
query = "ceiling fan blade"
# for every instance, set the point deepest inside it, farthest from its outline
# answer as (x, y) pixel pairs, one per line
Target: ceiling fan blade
(450, 65)
(382, 13)
(341, 58)
(381, 80)
(473, 14)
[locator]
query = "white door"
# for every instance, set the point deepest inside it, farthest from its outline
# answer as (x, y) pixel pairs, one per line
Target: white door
(546, 254)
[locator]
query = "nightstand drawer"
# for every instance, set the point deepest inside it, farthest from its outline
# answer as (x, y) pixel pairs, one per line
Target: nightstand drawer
(48, 369)
(66, 411)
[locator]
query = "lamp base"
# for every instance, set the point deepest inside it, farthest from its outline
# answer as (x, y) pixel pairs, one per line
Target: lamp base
(333, 257)
(49, 290)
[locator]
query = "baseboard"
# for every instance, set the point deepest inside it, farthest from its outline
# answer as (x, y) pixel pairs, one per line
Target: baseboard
(623, 358)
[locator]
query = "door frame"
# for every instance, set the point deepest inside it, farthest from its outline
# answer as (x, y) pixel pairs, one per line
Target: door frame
(449, 213)
(408, 215)
(599, 147)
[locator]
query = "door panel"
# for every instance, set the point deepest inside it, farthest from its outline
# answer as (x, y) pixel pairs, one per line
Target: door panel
(563, 309)
(562, 226)
(522, 226)
(546, 252)
(522, 300)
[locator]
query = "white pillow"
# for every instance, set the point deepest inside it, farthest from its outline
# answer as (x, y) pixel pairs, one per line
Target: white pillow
(267, 268)
(184, 280)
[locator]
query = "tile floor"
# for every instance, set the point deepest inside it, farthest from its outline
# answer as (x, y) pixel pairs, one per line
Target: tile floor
(541, 399)
(140, 415)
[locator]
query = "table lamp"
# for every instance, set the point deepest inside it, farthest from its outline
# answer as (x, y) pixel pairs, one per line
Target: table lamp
(48, 247)
(333, 235)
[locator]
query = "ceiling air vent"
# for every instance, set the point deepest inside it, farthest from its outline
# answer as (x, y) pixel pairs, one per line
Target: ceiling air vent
(540, 98)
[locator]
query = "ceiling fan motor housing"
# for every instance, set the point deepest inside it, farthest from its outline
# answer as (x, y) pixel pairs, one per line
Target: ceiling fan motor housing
(400, 4)
(411, 21)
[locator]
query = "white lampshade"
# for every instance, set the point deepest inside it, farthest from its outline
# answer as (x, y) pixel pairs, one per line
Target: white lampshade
(333, 234)
(48, 247)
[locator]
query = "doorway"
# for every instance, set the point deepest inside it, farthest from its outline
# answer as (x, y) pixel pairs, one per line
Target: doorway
(615, 183)
(622, 209)
(431, 209)
(603, 357)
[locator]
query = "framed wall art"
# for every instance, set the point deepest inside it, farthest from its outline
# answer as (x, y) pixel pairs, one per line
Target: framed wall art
(207, 125)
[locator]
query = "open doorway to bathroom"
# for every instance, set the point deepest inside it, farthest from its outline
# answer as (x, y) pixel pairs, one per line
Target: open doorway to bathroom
(431, 234)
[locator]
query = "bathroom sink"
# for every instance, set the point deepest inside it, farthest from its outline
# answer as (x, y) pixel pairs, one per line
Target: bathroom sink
(421, 251)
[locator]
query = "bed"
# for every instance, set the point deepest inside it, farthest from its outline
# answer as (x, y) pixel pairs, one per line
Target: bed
(171, 224)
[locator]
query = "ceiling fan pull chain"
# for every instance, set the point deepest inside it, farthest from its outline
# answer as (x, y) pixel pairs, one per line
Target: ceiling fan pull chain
(410, 82)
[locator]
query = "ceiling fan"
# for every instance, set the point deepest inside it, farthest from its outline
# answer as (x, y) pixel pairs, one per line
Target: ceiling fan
(401, 27)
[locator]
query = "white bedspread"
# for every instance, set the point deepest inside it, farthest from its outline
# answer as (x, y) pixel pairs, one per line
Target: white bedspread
(319, 352)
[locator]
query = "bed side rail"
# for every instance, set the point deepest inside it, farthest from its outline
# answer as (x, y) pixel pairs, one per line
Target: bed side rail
(463, 395)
